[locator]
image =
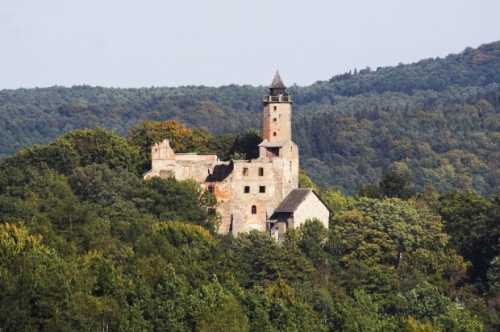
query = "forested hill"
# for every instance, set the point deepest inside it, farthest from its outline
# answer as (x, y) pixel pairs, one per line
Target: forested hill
(439, 117)
(472, 67)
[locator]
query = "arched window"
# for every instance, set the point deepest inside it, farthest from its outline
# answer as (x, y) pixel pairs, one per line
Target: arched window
(254, 209)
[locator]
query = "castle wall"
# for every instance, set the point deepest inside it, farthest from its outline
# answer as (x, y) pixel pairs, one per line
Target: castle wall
(289, 155)
(182, 166)
(249, 206)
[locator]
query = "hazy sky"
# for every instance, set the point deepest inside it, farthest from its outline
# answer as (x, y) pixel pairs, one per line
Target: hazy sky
(126, 43)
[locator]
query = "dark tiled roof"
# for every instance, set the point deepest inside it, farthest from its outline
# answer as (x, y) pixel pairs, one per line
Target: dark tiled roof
(277, 82)
(293, 200)
(220, 172)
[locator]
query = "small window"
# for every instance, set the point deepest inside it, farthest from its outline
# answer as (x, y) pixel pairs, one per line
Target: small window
(254, 209)
(246, 190)
(274, 133)
(261, 171)
(245, 171)
(262, 189)
(274, 119)
(275, 108)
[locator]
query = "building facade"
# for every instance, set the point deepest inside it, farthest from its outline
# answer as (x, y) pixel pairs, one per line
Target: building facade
(248, 192)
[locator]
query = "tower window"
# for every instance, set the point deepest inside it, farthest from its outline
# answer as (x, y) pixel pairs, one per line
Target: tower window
(275, 108)
(262, 189)
(261, 171)
(254, 209)
(245, 171)
(274, 133)
(246, 190)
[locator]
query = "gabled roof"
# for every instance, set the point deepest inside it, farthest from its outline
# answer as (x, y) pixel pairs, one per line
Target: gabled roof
(277, 82)
(293, 200)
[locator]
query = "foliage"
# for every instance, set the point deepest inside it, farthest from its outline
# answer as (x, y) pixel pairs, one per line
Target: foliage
(86, 244)
(473, 224)
(439, 116)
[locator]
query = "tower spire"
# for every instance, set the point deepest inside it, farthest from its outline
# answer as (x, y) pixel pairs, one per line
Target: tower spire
(277, 86)
(277, 82)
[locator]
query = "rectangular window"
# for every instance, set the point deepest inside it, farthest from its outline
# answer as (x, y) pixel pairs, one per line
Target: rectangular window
(262, 189)
(261, 171)
(254, 209)
(245, 171)
(246, 190)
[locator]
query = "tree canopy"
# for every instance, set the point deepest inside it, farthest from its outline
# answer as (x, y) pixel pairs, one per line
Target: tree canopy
(86, 244)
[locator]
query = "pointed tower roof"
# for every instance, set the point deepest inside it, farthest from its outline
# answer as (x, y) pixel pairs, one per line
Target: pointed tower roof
(277, 82)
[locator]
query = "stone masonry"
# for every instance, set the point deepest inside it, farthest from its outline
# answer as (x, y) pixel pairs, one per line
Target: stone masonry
(247, 191)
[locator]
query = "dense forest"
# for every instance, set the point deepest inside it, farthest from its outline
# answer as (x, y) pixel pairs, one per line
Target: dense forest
(439, 117)
(87, 245)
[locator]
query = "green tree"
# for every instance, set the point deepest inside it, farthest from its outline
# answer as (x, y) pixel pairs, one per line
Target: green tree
(474, 229)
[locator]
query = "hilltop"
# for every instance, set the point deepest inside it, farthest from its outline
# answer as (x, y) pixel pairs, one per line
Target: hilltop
(438, 116)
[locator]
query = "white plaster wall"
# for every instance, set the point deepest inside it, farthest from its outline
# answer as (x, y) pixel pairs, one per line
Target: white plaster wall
(311, 208)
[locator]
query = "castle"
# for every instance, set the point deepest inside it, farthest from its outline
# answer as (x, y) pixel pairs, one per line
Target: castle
(258, 194)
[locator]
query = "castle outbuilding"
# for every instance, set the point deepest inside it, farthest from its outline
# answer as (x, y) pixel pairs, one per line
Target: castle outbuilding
(258, 194)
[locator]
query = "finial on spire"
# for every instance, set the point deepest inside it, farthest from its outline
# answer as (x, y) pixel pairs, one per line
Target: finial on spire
(277, 81)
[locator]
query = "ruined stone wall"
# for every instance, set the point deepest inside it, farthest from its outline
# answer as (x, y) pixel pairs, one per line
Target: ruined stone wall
(166, 163)
(242, 190)
(255, 194)
(224, 194)
(194, 166)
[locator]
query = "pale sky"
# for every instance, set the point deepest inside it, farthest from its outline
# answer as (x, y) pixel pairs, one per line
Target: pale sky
(125, 43)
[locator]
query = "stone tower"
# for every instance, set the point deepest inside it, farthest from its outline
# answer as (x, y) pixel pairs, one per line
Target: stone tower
(277, 114)
(277, 144)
